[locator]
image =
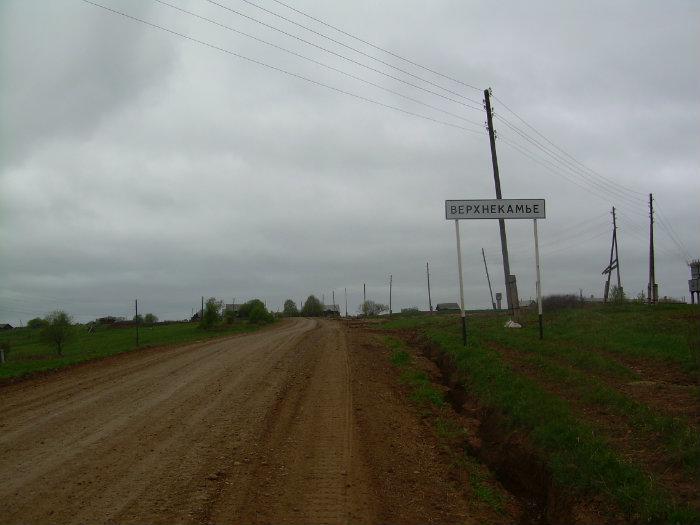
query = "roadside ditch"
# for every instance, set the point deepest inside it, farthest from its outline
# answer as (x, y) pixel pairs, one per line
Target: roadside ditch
(508, 453)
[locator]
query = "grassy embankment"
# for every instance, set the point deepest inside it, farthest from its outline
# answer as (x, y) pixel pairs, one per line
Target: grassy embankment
(28, 354)
(435, 409)
(609, 398)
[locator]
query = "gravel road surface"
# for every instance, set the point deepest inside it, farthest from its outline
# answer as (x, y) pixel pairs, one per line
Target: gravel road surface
(291, 424)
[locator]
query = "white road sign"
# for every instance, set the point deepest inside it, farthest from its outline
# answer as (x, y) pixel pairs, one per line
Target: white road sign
(495, 209)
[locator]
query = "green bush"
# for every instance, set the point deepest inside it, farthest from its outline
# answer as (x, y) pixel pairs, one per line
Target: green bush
(35, 323)
(245, 309)
(260, 315)
(290, 309)
(58, 330)
(312, 307)
(212, 313)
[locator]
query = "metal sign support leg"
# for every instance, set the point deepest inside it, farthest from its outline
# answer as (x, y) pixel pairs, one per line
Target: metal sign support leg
(539, 282)
(461, 284)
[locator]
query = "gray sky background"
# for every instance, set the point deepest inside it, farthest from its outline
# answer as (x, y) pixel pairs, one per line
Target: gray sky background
(137, 164)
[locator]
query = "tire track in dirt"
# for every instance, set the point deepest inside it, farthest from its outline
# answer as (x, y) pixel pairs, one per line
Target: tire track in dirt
(136, 450)
(293, 424)
(305, 471)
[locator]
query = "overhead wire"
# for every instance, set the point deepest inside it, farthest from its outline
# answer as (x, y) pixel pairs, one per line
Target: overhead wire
(344, 57)
(595, 177)
(618, 194)
(317, 62)
(553, 169)
(563, 151)
(571, 163)
(375, 46)
(594, 183)
(667, 225)
(342, 44)
(279, 69)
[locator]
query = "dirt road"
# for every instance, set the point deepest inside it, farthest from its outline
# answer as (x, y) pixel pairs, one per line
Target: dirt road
(289, 424)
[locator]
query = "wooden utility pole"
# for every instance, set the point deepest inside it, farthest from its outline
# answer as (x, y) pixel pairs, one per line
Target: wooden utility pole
(136, 318)
(201, 312)
(614, 263)
(652, 288)
(364, 293)
(346, 302)
(430, 303)
(512, 305)
(391, 278)
(488, 279)
(333, 292)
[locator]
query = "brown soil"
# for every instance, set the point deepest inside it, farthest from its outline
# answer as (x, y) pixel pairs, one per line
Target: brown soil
(295, 424)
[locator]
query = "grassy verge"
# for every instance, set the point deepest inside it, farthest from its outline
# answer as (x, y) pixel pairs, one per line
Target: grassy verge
(29, 355)
(576, 454)
(426, 396)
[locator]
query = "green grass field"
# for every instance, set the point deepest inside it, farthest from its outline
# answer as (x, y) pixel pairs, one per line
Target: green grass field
(610, 397)
(28, 354)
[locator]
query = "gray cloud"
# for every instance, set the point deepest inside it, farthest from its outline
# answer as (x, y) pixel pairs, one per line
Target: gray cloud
(137, 164)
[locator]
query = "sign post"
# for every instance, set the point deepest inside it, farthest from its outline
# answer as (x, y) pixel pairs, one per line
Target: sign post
(496, 209)
(539, 282)
(461, 285)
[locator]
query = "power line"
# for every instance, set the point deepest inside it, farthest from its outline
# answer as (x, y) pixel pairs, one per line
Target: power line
(553, 168)
(344, 57)
(416, 64)
(335, 41)
(595, 177)
(667, 225)
(317, 62)
(279, 69)
(565, 152)
(619, 194)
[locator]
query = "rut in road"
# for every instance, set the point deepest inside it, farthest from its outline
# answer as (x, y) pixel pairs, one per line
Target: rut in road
(305, 467)
(178, 435)
(301, 422)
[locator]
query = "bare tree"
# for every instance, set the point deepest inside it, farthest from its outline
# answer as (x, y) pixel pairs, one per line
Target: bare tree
(370, 308)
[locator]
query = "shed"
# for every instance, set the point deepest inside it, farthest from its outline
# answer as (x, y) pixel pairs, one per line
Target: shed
(447, 307)
(6, 326)
(331, 310)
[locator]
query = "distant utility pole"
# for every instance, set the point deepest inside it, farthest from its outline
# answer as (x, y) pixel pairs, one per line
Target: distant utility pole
(512, 302)
(614, 262)
(346, 302)
(364, 293)
(201, 312)
(391, 278)
(136, 318)
(652, 288)
(427, 271)
(323, 299)
(488, 279)
(333, 298)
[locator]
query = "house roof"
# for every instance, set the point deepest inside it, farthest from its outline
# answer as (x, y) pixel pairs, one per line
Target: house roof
(447, 306)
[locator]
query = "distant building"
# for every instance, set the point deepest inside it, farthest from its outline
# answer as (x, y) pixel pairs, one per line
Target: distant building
(331, 310)
(232, 307)
(6, 327)
(447, 307)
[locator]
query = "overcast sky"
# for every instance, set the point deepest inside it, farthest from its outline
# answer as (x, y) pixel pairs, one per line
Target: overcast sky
(135, 163)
